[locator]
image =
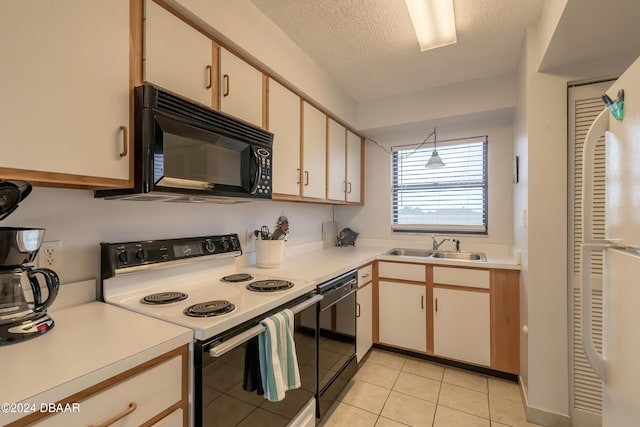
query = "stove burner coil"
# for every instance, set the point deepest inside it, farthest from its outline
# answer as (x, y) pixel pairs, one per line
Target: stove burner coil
(164, 298)
(238, 277)
(209, 309)
(269, 285)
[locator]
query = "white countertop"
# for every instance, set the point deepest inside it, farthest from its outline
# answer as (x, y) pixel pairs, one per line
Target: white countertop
(319, 265)
(94, 341)
(88, 344)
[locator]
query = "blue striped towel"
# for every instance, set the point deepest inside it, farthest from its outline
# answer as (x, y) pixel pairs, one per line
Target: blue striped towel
(278, 362)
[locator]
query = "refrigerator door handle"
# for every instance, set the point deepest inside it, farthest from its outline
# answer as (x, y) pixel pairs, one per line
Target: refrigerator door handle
(598, 128)
(597, 361)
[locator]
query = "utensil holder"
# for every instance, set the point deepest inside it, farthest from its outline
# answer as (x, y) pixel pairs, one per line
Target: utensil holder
(269, 253)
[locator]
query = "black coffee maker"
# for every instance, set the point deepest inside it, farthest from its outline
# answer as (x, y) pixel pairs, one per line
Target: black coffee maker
(22, 303)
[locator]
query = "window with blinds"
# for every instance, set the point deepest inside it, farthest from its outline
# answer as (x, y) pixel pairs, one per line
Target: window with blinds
(452, 199)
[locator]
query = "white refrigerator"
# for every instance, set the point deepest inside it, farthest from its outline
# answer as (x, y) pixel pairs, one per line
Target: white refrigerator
(619, 363)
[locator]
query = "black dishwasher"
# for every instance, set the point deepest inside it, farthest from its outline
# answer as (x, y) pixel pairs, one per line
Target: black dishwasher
(336, 338)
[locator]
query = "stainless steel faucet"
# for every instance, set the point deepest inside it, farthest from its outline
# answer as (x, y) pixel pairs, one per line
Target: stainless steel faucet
(437, 244)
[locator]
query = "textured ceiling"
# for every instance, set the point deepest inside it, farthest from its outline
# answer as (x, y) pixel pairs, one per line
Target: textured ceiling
(370, 49)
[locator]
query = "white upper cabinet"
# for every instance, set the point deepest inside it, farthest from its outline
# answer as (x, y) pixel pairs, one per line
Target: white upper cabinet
(240, 88)
(284, 123)
(177, 57)
(314, 140)
(344, 164)
(65, 90)
(336, 165)
(354, 167)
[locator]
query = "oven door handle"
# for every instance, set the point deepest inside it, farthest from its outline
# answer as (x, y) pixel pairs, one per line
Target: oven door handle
(245, 336)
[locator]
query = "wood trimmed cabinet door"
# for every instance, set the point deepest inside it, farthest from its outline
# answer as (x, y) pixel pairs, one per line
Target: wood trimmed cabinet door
(364, 311)
(153, 393)
(177, 57)
(284, 123)
(354, 167)
(65, 86)
(336, 161)
(461, 314)
(461, 326)
(241, 91)
(314, 153)
(402, 315)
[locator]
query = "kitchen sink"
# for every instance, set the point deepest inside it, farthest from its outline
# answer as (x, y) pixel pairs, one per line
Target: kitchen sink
(466, 256)
(409, 252)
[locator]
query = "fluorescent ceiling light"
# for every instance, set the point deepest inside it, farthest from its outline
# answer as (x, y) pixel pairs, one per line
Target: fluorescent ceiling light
(433, 21)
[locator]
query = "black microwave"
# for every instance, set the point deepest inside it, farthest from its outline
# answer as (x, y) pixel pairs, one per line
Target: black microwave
(185, 151)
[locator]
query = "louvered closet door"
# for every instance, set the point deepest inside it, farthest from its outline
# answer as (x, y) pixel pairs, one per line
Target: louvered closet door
(586, 388)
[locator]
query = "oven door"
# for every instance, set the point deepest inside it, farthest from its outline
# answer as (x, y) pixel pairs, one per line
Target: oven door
(223, 375)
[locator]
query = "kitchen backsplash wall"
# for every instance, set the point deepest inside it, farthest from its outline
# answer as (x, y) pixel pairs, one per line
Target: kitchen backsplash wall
(82, 222)
(373, 220)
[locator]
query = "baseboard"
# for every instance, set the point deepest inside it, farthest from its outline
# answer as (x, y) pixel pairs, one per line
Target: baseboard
(449, 362)
(538, 416)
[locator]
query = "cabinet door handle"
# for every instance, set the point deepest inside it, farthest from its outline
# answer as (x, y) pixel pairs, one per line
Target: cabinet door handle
(132, 407)
(349, 192)
(226, 81)
(209, 70)
(125, 141)
(357, 309)
(344, 186)
(364, 276)
(306, 178)
(298, 176)
(436, 305)
(422, 302)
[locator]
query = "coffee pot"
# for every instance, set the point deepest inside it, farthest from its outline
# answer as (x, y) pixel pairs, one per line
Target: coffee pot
(22, 306)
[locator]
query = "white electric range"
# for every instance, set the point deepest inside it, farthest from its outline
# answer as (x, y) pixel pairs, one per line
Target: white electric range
(193, 282)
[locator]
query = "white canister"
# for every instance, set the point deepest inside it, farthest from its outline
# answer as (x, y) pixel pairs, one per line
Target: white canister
(269, 253)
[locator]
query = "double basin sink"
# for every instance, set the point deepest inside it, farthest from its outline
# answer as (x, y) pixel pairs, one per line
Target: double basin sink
(426, 253)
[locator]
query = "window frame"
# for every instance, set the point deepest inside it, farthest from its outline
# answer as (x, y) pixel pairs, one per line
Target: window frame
(478, 230)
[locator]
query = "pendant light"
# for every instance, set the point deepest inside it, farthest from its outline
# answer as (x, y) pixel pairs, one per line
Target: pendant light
(435, 161)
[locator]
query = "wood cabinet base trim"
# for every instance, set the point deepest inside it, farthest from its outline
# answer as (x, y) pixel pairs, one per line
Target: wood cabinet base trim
(449, 362)
(63, 180)
(505, 320)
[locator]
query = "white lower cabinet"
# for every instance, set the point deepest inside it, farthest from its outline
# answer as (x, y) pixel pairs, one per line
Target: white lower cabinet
(461, 325)
(364, 320)
(402, 315)
(136, 398)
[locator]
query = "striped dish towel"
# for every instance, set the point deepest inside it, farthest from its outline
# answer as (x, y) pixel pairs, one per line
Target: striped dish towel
(278, 362)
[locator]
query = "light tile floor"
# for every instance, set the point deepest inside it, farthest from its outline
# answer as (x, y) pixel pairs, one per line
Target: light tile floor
(395, 390)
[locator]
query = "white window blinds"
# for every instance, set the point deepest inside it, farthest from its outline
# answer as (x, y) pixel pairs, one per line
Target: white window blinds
(452, 199)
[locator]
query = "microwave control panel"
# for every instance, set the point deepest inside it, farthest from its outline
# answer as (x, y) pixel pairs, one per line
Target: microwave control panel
(264, 180)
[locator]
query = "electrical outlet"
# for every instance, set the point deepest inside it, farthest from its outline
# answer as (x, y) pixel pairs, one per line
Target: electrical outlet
(50, 255)
(248, 245)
